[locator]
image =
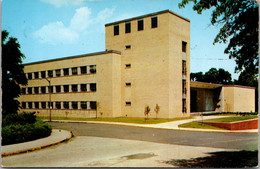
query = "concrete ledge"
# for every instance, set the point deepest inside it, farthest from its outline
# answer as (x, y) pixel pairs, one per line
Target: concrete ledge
(239, 125)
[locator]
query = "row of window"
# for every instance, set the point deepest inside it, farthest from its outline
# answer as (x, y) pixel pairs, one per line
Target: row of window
(84, 105)
(140, 25)
(89, 87)
(91, 69)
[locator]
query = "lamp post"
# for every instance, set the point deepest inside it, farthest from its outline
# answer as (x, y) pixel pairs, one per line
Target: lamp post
(49, 96)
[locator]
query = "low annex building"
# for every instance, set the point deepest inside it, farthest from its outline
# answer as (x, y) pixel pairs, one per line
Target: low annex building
(146, 62)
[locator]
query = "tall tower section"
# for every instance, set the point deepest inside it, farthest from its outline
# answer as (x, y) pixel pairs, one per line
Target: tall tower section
(154, 63)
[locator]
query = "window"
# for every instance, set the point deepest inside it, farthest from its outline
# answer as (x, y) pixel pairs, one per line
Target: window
(58, 89)
(29, 90)
(58, 105)
(154, 22)
(23, 91)
(83, 69)
(92, 68)
(30, 105)
(29, 75)
(83, 87)
(127, 65)
(24, 105)
(93, 87)
(36, 75)
(43, 105)
(184, 110)
(74, 88)
(128, 84)
(128, 103)
(116, 29)
(43, 74)
(66, 105)
(50, 89)
(36, 105)
(50, 73)
(75, 105)
(83, 105)
(128, 27)
(66, 72)
(58, 73)
(36, 90)
(127, 46)
(184, 89)
(66, 88)
(50, 105)
(140, 25)
(93, 105)
(184, 70)
(43, 89)
(74, 70)
(184, 44)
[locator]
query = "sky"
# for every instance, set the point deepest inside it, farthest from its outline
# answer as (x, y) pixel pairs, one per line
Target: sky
(49, 29)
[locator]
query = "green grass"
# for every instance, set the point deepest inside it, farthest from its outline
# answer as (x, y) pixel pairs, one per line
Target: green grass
(120, 119)
(231, 119)
(199, 125)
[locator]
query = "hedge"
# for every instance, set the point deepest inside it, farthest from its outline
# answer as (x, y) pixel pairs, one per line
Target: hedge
(237, 113)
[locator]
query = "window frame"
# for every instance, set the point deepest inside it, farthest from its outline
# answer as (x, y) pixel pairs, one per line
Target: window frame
(58, 72)
(64, 87)
(83, 69)
(74, 70)
(36, 75)
(50, 73)
(140, 24)
(66, 72)
(43, 74)
(128, 27)
(154, 21)
(116, 30)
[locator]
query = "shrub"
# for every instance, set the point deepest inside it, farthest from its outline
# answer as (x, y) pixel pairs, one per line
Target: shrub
(22, 118)
(237, 113)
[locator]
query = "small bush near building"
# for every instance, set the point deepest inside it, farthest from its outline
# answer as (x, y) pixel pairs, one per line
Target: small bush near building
(236, 113)
(18, 128)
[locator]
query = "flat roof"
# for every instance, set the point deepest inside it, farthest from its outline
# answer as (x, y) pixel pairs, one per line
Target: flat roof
(147, 15)
(76, 56)
(204, 85)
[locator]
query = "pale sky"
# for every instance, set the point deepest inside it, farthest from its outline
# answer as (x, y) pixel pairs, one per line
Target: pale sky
(49, 29)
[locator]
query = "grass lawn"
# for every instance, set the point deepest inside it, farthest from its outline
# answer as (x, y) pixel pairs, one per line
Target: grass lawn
(231, 119)
(120, 119)
(197, 124)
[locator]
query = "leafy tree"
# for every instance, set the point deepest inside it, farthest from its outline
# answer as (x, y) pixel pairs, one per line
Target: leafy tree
(12, 74)
(239, 21)
(157, 109)
(197, 76)
(146, 112)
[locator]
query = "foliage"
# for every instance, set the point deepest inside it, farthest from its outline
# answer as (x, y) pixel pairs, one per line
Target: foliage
(236, 113)
(146, 112)
(157, 109)
(213, 76)
(12, 74)
(239, 21)
(23, 118)
(231, 119)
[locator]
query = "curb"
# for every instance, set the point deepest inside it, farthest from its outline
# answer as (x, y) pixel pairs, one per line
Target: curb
(36, 148)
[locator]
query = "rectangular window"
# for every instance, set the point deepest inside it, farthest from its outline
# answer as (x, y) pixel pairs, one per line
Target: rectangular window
(140, 25)
(83, 69)
(36, 90)
(43, 105)
(184, 45)
(74, 70)
(50, 105)
(43, 89)
(43, 74)
(93, 87)
(36, 105)
(58, 72)
(128, 84)
(128, 27)
(184, 89)
(75, 105)
(92, 68)
(116, 29)
(29, 75)
(127, 46)
(58, 89)
(58, 105)
(93, 105)
(30, 105)
(24, 105)
(154, 22)
(127, 65)
(184, 69)
(66, 105)
(184, 110)
(83, 87)
(36, 75)
(74, 88)
(128, 103)
(23, 91)
(66, 72)
(29, 90)
(50, 89)
(66, 88)
(83, 105)
(50, 73)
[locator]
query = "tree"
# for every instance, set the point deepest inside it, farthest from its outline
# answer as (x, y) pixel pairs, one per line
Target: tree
(146, 112)
(157, 109)
(239, 21)
(12, 74)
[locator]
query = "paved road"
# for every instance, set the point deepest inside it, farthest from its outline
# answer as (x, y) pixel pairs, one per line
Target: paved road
(243, 141)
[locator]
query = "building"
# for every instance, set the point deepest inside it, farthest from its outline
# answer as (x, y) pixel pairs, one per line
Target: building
(146, 62)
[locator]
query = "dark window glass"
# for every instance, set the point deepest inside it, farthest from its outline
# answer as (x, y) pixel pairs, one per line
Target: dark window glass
(50, 105)
(23, 90)
(83, 69)
(30, 105)
(184, 69)
(128, 84)
(74, 88)
(92, 69)
(66, 72)
(184, 44)
(36, 90)
(128, 103)
(128, 66)
(74, 71)
(140, 25)
(154, 22)
(43, 74)
(58, 89)
(50, 89)
(66, 88)
(30, 90)
(43, 105)
(93, 105)
(184, 89)
(128, 27)
(24, 105)
(29, 75)
(116, 29)
(93, 87)
(36, 75)
(83, 105)
(58, 105)
(36, 105)
(128, 47)
(83, 87)
(43, 89)
(66, 105)
(184, 105)
(75, 105)
(58, 73)
(50, 73)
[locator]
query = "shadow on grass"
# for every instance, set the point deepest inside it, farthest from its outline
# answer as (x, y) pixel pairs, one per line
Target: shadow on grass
(222, 159)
